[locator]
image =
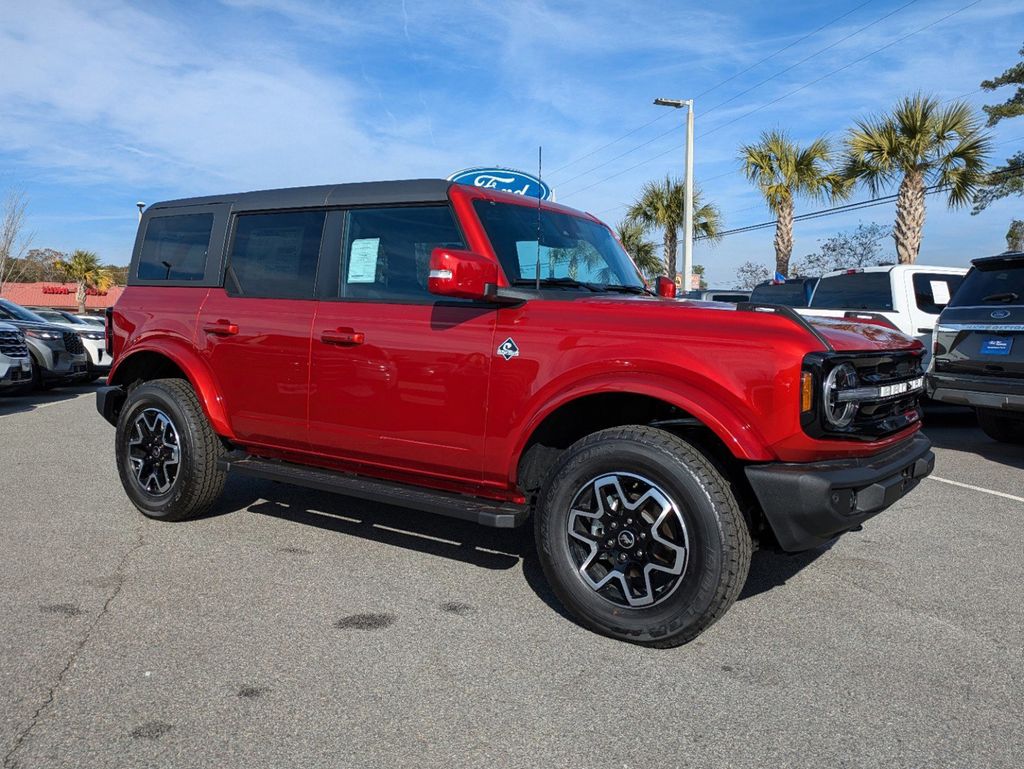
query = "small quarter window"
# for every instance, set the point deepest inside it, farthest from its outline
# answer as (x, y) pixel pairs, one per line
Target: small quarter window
(175, 247)
(933, 291)
(275, 255)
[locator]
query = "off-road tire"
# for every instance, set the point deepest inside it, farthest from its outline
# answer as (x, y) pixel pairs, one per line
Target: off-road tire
(1002, 425)
(719, 538)
(198, 482)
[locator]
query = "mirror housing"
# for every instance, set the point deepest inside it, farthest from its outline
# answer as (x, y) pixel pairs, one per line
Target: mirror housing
(666, 288)
(461, 274)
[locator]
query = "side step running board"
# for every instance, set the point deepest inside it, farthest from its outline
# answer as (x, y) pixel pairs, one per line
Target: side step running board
(502, 515)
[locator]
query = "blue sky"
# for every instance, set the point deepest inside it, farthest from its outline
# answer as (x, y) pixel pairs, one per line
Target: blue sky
(105, 103)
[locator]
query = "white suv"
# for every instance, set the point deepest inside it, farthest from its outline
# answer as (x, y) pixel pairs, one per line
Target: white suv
(15, 363)
(906, 296)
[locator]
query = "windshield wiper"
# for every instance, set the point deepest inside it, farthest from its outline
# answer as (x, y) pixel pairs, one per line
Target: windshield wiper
(628, 289)
(567, 282)
(1002, 296)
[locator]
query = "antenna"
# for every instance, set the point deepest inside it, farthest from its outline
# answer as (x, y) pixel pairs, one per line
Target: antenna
(540, 166)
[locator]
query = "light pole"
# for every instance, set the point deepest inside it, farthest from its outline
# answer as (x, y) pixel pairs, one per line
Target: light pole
(140, 205)
(688, 190)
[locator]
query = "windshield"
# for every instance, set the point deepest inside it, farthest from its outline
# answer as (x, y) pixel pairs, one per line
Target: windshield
(991, 287)
(854, 291)
(571, 248)
(12, 311)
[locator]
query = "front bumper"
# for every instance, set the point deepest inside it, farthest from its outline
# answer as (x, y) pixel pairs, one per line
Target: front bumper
(977, 391)
(109, 400)
(807, 504)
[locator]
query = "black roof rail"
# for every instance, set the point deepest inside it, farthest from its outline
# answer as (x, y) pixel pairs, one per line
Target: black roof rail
(788, 312)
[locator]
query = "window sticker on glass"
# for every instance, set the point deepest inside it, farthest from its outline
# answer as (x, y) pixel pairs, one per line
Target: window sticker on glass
(940, 291)
(362, 261)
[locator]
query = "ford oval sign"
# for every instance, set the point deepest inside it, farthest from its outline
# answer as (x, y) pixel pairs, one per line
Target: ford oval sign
(504, 179)
(1000, 314)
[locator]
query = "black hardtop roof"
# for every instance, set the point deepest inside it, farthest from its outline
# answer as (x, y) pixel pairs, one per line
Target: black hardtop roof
(1006, 259)
(358, 193)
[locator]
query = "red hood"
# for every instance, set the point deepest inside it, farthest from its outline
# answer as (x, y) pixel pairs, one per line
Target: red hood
(859, 336)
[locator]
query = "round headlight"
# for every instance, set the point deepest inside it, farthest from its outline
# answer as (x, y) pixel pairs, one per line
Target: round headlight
(839, 413)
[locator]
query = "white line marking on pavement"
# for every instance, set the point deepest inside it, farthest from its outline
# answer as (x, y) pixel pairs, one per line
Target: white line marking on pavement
(977, 488)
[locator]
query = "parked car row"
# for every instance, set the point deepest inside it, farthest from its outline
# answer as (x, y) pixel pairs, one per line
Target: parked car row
(39, 352)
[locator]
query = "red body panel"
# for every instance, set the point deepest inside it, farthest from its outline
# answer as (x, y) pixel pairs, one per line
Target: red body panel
(417, 391)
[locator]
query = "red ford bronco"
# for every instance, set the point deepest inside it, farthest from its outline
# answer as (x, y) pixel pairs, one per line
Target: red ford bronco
(485, 356)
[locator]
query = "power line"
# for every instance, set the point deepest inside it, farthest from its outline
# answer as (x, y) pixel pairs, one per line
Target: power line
(713, 88)
(846, 208)
(677, 147)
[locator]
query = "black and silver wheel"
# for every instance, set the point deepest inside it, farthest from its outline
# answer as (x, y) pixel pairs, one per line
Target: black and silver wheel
(1000, 425)
(640, 536)
(167, 453)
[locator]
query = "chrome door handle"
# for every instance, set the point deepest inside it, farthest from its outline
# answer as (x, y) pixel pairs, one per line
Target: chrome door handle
(344, 337)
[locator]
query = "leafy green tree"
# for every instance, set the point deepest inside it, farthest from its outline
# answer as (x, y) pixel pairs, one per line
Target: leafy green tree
(919, 144)
(861, 247)
(83, 267)
(634, 239)
(661, 205)
(1007, 179)
(784, 171)
(1015, 236)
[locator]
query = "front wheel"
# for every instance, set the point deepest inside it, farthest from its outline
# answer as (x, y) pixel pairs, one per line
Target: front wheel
(167, 452)
(641, 537)
(1002, 425)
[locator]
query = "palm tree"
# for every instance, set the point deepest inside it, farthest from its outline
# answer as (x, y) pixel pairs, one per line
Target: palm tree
(661, 204)
(921, 144)
(784, 171)
(633, 237)
(84, 269)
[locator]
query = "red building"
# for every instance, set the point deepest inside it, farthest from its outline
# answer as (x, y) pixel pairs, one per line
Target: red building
(59, 296)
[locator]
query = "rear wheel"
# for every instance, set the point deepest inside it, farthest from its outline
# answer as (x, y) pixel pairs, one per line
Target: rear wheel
(167, 453)
(1002, 425)
(640, 536)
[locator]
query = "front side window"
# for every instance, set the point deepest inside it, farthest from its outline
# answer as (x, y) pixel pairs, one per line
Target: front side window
(386, 252)
(933, 291)
(175, 247)
(854, 291)
(275, 255)
(567, 248)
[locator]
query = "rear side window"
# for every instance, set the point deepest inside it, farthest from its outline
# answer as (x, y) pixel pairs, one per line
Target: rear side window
(933, 291)
(787, 294)
(993, 287)
(275, 255)
(854, 291)
(386, 251)
(175, 247)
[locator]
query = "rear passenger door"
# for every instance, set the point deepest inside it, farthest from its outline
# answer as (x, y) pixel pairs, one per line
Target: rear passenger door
(399, 376)
(254, 331)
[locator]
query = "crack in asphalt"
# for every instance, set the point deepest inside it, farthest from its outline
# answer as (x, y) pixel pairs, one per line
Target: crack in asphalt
(119, 575)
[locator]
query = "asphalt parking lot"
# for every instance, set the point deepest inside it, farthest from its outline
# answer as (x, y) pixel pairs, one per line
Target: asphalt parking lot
(294, 628)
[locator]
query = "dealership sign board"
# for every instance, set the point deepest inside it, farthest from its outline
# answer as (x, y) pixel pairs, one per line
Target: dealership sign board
(504, 179)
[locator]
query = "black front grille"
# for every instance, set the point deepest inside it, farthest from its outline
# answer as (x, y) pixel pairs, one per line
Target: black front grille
(13, 345)
(73, 343)
(879, 418)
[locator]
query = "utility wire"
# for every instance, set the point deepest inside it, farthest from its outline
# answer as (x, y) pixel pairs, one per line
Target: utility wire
(677, 147)
(713, 88)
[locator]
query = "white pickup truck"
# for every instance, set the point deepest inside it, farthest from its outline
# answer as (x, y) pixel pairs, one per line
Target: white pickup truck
(907, 296)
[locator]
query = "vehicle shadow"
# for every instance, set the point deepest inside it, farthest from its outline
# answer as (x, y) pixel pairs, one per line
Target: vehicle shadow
(24, 401)
(399, 527)
(957, 429)
(770, 569)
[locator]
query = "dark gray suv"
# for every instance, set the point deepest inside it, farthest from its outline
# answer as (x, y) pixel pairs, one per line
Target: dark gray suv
(978, 358)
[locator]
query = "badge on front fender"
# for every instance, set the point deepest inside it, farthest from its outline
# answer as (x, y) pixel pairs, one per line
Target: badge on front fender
(508, 349)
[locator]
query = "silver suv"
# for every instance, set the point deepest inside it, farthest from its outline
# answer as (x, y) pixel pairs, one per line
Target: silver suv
(58, 356)
(15, 363)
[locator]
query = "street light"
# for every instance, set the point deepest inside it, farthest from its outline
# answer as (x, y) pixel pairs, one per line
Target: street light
(688, 191)
(140, 205)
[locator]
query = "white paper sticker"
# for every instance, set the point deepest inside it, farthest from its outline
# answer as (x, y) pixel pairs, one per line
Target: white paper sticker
(940, 291)
(362, 261)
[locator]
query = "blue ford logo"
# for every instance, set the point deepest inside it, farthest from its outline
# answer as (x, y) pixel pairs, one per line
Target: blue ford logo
(1000, 314)
(504, 179)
